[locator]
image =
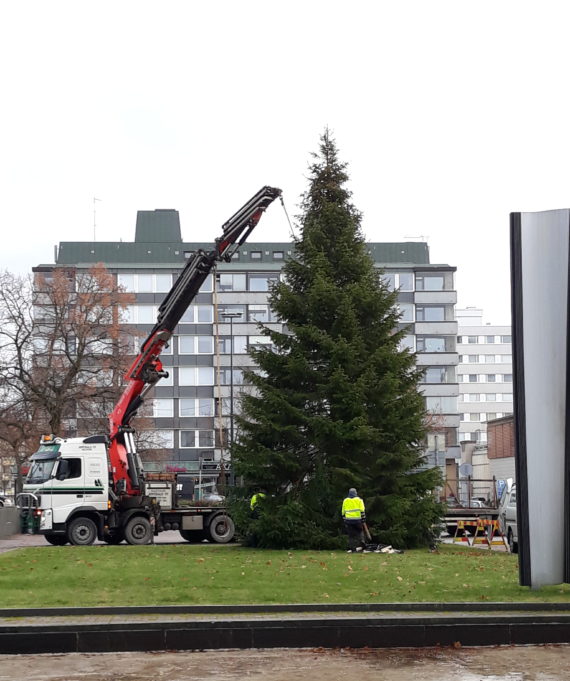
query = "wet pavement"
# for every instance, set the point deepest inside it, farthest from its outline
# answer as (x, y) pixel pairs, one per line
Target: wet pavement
(523, 663)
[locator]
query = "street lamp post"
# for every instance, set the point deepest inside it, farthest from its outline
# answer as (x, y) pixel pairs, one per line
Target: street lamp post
(231, 316)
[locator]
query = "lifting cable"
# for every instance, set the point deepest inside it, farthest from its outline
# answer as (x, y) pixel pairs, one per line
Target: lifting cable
(287, 216)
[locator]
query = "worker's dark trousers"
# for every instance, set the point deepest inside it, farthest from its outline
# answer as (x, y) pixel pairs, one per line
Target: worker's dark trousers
(354, 530)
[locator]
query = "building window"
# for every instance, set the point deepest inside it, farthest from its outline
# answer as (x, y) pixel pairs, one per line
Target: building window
(162, 407)
(259, 342)
(232, 282)
(430, 282)
(435, 375)
(198, 314)
(506, 359)
(472, 397)
(163, 439)
(196, 345)
(506, 339)
(255, 255)
(405, 281)
(474, 416)
(472, 339)
(406, 312)
(430, 313)
(473, 359)
(435, 343)
(491, 378)
(507, 378)
(196, 376)
(140, 314)
(145, 283)
(490, 397)
(278, 255)
(489, 359)
(260, 313)
(196, 438)
(226, 376)
(127, 281)
(443, 404)
(489, 339)
(472, 378)
(239, 343)
(231, 309)
(262, 282)
(163, 283)
(189, 407)
(407, 342)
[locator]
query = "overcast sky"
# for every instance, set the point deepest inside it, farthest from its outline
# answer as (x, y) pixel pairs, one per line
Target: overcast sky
(451, 114)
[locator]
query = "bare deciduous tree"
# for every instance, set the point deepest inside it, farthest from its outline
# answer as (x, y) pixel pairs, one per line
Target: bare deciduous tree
(63, 354)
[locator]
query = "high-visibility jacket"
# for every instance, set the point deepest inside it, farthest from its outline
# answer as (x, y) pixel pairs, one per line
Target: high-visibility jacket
(353, 509)
(255, 499)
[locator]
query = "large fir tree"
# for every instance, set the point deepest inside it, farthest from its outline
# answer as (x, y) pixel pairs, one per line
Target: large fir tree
(336, 402)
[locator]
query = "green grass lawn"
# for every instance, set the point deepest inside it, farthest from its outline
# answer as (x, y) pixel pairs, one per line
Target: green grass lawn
(184, 574)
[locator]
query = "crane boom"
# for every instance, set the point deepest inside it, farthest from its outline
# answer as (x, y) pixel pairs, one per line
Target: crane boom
(147, 370)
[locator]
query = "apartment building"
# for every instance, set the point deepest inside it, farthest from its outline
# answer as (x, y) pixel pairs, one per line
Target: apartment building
(484, 373)
(193, 410)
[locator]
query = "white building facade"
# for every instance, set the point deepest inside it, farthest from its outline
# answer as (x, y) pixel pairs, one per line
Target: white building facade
(484, 373)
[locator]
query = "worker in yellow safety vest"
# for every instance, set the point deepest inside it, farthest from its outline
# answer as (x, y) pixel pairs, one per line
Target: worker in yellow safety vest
(253, 504)
(354, 515)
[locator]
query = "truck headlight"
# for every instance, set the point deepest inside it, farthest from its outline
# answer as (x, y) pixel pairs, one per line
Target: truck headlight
(46, 520)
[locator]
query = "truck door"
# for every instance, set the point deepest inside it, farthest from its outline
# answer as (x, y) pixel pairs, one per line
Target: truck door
(96, 482)
(67, 488)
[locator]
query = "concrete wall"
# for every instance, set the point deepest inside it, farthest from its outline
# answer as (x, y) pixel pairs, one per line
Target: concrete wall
(9, 521)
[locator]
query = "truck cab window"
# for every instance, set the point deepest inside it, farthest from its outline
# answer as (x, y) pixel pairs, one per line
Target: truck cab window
(40, 471)
(74, 468)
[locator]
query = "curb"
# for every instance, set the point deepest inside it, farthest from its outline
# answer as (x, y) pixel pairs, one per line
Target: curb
(284, 607)
(300, 632)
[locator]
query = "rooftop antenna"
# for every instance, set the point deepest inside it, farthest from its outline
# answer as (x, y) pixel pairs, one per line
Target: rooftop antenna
(95, 217)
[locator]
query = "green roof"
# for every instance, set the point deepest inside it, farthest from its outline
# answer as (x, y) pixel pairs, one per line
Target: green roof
(158, 243)
(161, 253)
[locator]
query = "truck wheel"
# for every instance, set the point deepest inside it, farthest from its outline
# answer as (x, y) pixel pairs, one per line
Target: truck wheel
(513, 545)
(193, 535)
(138, 531)
(57, 539)
(82, 531)
(221, 529)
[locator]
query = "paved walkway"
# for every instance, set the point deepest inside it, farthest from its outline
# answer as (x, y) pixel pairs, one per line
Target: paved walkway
(24, 541)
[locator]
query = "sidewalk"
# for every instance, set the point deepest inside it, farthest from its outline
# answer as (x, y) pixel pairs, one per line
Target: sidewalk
(24, 541)
(21, 541)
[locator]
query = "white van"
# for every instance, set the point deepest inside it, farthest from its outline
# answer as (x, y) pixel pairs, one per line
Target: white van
(508, 516)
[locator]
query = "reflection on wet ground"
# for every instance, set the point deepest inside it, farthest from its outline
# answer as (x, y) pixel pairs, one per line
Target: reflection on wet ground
(521, 663)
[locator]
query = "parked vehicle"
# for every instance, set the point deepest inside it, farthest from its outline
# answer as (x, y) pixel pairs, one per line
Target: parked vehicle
(508, 516)
(87, 488)
(5, 501)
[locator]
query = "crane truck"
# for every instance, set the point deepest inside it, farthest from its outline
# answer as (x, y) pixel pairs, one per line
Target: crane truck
(86, 488)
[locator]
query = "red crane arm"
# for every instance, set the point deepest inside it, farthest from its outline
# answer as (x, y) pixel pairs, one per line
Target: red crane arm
(147, 369)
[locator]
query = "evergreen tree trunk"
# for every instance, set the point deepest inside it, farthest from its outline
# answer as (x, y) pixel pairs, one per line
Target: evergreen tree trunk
(337, 402)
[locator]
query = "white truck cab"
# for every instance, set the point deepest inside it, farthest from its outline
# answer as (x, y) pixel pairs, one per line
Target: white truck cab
(68, 477)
